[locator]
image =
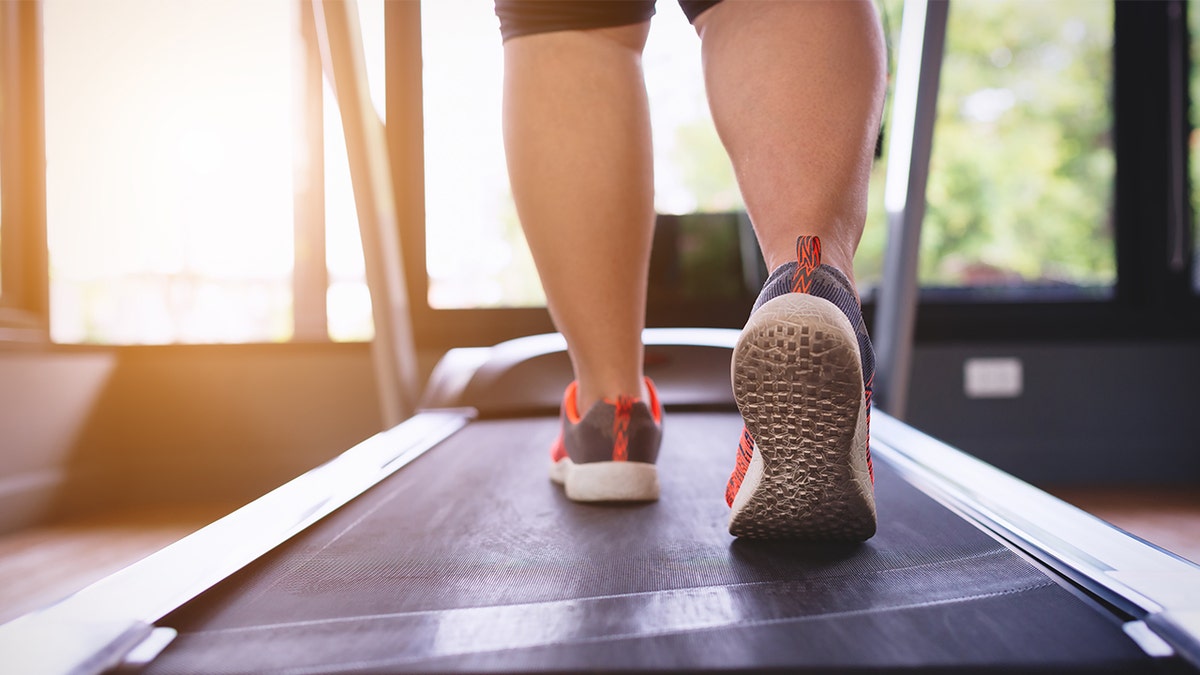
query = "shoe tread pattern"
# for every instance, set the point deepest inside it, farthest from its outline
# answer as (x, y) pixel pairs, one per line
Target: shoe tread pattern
(797, 380)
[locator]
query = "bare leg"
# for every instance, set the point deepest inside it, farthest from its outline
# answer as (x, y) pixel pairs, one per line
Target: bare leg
(577, 137)
(796, 91)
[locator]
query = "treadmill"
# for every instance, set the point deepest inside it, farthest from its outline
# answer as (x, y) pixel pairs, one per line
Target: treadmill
(441, 545)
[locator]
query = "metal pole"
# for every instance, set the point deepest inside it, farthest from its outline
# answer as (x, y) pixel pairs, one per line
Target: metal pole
(914, 109)
(393, 349)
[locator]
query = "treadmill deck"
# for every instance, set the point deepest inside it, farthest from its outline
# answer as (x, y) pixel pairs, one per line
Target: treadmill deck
(471, 559)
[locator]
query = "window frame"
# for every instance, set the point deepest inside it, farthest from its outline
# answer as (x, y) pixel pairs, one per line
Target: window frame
(24, 261)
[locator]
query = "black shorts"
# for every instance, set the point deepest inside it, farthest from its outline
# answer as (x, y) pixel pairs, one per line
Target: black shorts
(526, 17)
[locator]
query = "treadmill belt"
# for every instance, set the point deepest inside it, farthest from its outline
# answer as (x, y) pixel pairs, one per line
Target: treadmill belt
(471, 559)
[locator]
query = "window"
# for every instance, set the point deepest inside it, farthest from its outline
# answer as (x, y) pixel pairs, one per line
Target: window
(1021, 176)
(176, 152)
(178, 140)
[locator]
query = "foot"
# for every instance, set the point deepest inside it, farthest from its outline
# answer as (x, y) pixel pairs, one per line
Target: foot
(608, 454)
(802, 372)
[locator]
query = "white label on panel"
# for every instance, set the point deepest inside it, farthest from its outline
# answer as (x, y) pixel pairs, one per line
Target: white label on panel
(993, 378)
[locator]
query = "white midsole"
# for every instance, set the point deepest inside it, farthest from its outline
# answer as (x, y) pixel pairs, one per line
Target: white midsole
(606, 481)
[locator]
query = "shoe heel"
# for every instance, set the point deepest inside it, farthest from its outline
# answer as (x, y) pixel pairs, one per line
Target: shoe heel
(797, 380)
(611, 482)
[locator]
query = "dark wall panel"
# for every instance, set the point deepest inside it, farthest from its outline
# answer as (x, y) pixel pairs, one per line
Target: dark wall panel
(1088, 414)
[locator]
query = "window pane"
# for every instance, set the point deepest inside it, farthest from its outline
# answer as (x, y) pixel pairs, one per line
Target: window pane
(1021, 177)
(476, 254)
(348, 301)
(169, 182)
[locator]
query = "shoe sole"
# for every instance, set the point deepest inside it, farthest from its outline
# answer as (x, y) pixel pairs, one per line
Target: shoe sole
(797, 380)
(606, 481)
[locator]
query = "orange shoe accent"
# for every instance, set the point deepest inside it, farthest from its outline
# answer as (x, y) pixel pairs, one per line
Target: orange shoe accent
(867, 395)
(558, 450)
(571, 402)
(808, 258)
(655, 406)
(623, 404)
(745, 450)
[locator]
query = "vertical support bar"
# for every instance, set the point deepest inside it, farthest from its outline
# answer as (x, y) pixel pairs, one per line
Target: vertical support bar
(405, 114)
(393, 349)
(914, 110)
(1179, 222)
(310, 276)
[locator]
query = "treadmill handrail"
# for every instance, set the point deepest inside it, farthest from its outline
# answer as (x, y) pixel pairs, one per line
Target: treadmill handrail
(92, 630)
(1140, 578)
(393, 349)
(914, 112)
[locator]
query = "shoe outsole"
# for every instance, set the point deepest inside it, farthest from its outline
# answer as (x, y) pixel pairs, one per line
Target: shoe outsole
(606, 481)
(797, 380)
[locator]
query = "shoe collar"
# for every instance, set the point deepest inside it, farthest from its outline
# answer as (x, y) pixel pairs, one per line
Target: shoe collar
(571, 402)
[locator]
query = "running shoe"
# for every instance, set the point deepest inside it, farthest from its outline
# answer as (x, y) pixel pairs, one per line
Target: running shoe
(608, 454)
(802, 372)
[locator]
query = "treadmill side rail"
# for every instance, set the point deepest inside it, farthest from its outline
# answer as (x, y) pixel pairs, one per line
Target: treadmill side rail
(92, 630)
(70, 644)
(1141, 579)
(1179, 629)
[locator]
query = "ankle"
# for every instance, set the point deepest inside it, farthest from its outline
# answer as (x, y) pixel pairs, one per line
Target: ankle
(832, 254)
(589, 394)
(811, 252)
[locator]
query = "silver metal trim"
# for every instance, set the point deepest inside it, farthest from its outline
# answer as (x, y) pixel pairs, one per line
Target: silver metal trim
(914, 111)
(149, 649)
(95, 628)
(394, 348)
(1147, 639)
(1133, 575)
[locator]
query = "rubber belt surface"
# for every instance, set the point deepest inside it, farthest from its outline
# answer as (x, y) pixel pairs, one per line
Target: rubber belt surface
(471, 559)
